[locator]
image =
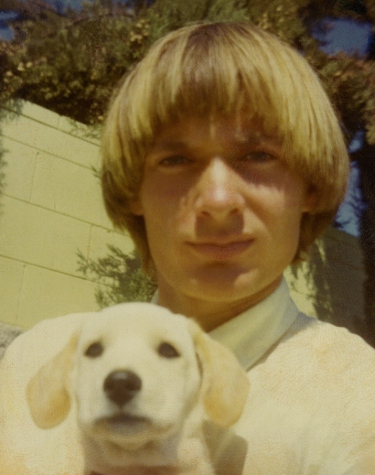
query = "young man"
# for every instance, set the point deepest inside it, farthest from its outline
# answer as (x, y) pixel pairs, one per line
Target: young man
(224, 159)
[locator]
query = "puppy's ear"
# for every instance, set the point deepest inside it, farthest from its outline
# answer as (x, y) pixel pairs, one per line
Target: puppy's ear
(47, 392)
(225, 384)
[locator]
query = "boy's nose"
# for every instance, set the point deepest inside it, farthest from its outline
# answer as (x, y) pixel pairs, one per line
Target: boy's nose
(218, 191)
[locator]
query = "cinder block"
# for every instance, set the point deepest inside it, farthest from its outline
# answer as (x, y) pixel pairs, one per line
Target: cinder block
(330, 284)
(339, 246)
(35, 235)
(47, 117)
(19, 171)
(39, 114)
(69, 189)
(346, 287)
(81, 131)
(50, 140)
(11, 276)
(47, 294)
(46, 183)
(339, 251)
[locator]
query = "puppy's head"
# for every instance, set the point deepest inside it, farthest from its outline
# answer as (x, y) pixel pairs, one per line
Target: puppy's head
(136, 371)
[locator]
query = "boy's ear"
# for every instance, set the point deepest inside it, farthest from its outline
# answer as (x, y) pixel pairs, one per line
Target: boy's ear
(136, 207)
(311, 200)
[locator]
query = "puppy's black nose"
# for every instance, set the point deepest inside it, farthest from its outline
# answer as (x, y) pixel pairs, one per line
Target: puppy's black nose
(121, 386)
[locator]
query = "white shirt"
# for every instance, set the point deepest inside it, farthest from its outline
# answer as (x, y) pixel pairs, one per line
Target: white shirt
(311, 406)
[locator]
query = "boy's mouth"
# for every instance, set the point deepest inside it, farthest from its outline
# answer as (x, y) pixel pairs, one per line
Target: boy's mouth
(221, 250)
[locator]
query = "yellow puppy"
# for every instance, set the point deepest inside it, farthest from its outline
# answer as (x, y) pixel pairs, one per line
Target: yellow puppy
(130, 386)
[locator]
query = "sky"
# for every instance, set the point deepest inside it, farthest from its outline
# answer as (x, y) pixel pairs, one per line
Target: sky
(345, 35)
(5, 32)
(60, 5)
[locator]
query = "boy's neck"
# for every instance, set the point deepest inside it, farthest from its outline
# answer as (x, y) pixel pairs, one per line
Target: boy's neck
(211, 314)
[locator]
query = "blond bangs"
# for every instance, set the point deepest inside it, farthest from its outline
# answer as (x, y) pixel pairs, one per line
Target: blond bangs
(226, 68)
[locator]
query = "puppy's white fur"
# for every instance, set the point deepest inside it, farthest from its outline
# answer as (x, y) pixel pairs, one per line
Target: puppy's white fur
(160, 429)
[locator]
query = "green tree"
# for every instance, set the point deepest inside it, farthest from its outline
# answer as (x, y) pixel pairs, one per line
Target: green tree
(119, 277)
(71, 62)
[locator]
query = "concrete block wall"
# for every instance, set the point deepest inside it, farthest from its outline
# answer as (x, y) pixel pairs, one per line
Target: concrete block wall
(50, 209)
(330, 285)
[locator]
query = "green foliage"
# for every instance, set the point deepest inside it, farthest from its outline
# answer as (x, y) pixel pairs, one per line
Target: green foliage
(350, 84)
(119, 277)
(71, 64)
(281, 18)
(168, 15)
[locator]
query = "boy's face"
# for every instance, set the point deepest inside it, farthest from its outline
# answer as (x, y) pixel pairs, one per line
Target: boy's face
(222, 210)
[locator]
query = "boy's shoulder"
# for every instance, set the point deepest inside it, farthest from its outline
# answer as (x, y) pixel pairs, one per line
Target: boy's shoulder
(311, 344)
(312, 399)
(321, 361)
(323, 340)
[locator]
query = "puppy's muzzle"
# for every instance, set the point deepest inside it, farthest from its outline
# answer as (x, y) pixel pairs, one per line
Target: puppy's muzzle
(122, 386)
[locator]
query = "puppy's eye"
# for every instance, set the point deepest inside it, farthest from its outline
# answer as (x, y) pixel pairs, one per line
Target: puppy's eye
(94, 350)
(168, 351)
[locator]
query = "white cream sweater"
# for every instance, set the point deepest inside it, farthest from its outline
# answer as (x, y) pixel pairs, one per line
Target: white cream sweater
(311, 406)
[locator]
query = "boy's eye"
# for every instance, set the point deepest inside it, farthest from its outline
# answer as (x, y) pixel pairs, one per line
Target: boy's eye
(174, 161)
(259, 157)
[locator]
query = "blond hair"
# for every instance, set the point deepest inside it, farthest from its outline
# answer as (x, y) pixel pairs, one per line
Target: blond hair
(219, 68)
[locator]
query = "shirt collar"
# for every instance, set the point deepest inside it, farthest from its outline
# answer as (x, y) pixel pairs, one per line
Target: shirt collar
(252, 333)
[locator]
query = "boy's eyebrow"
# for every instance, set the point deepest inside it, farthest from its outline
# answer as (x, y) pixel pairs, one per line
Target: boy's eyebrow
(170, 144)
(243, 137)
